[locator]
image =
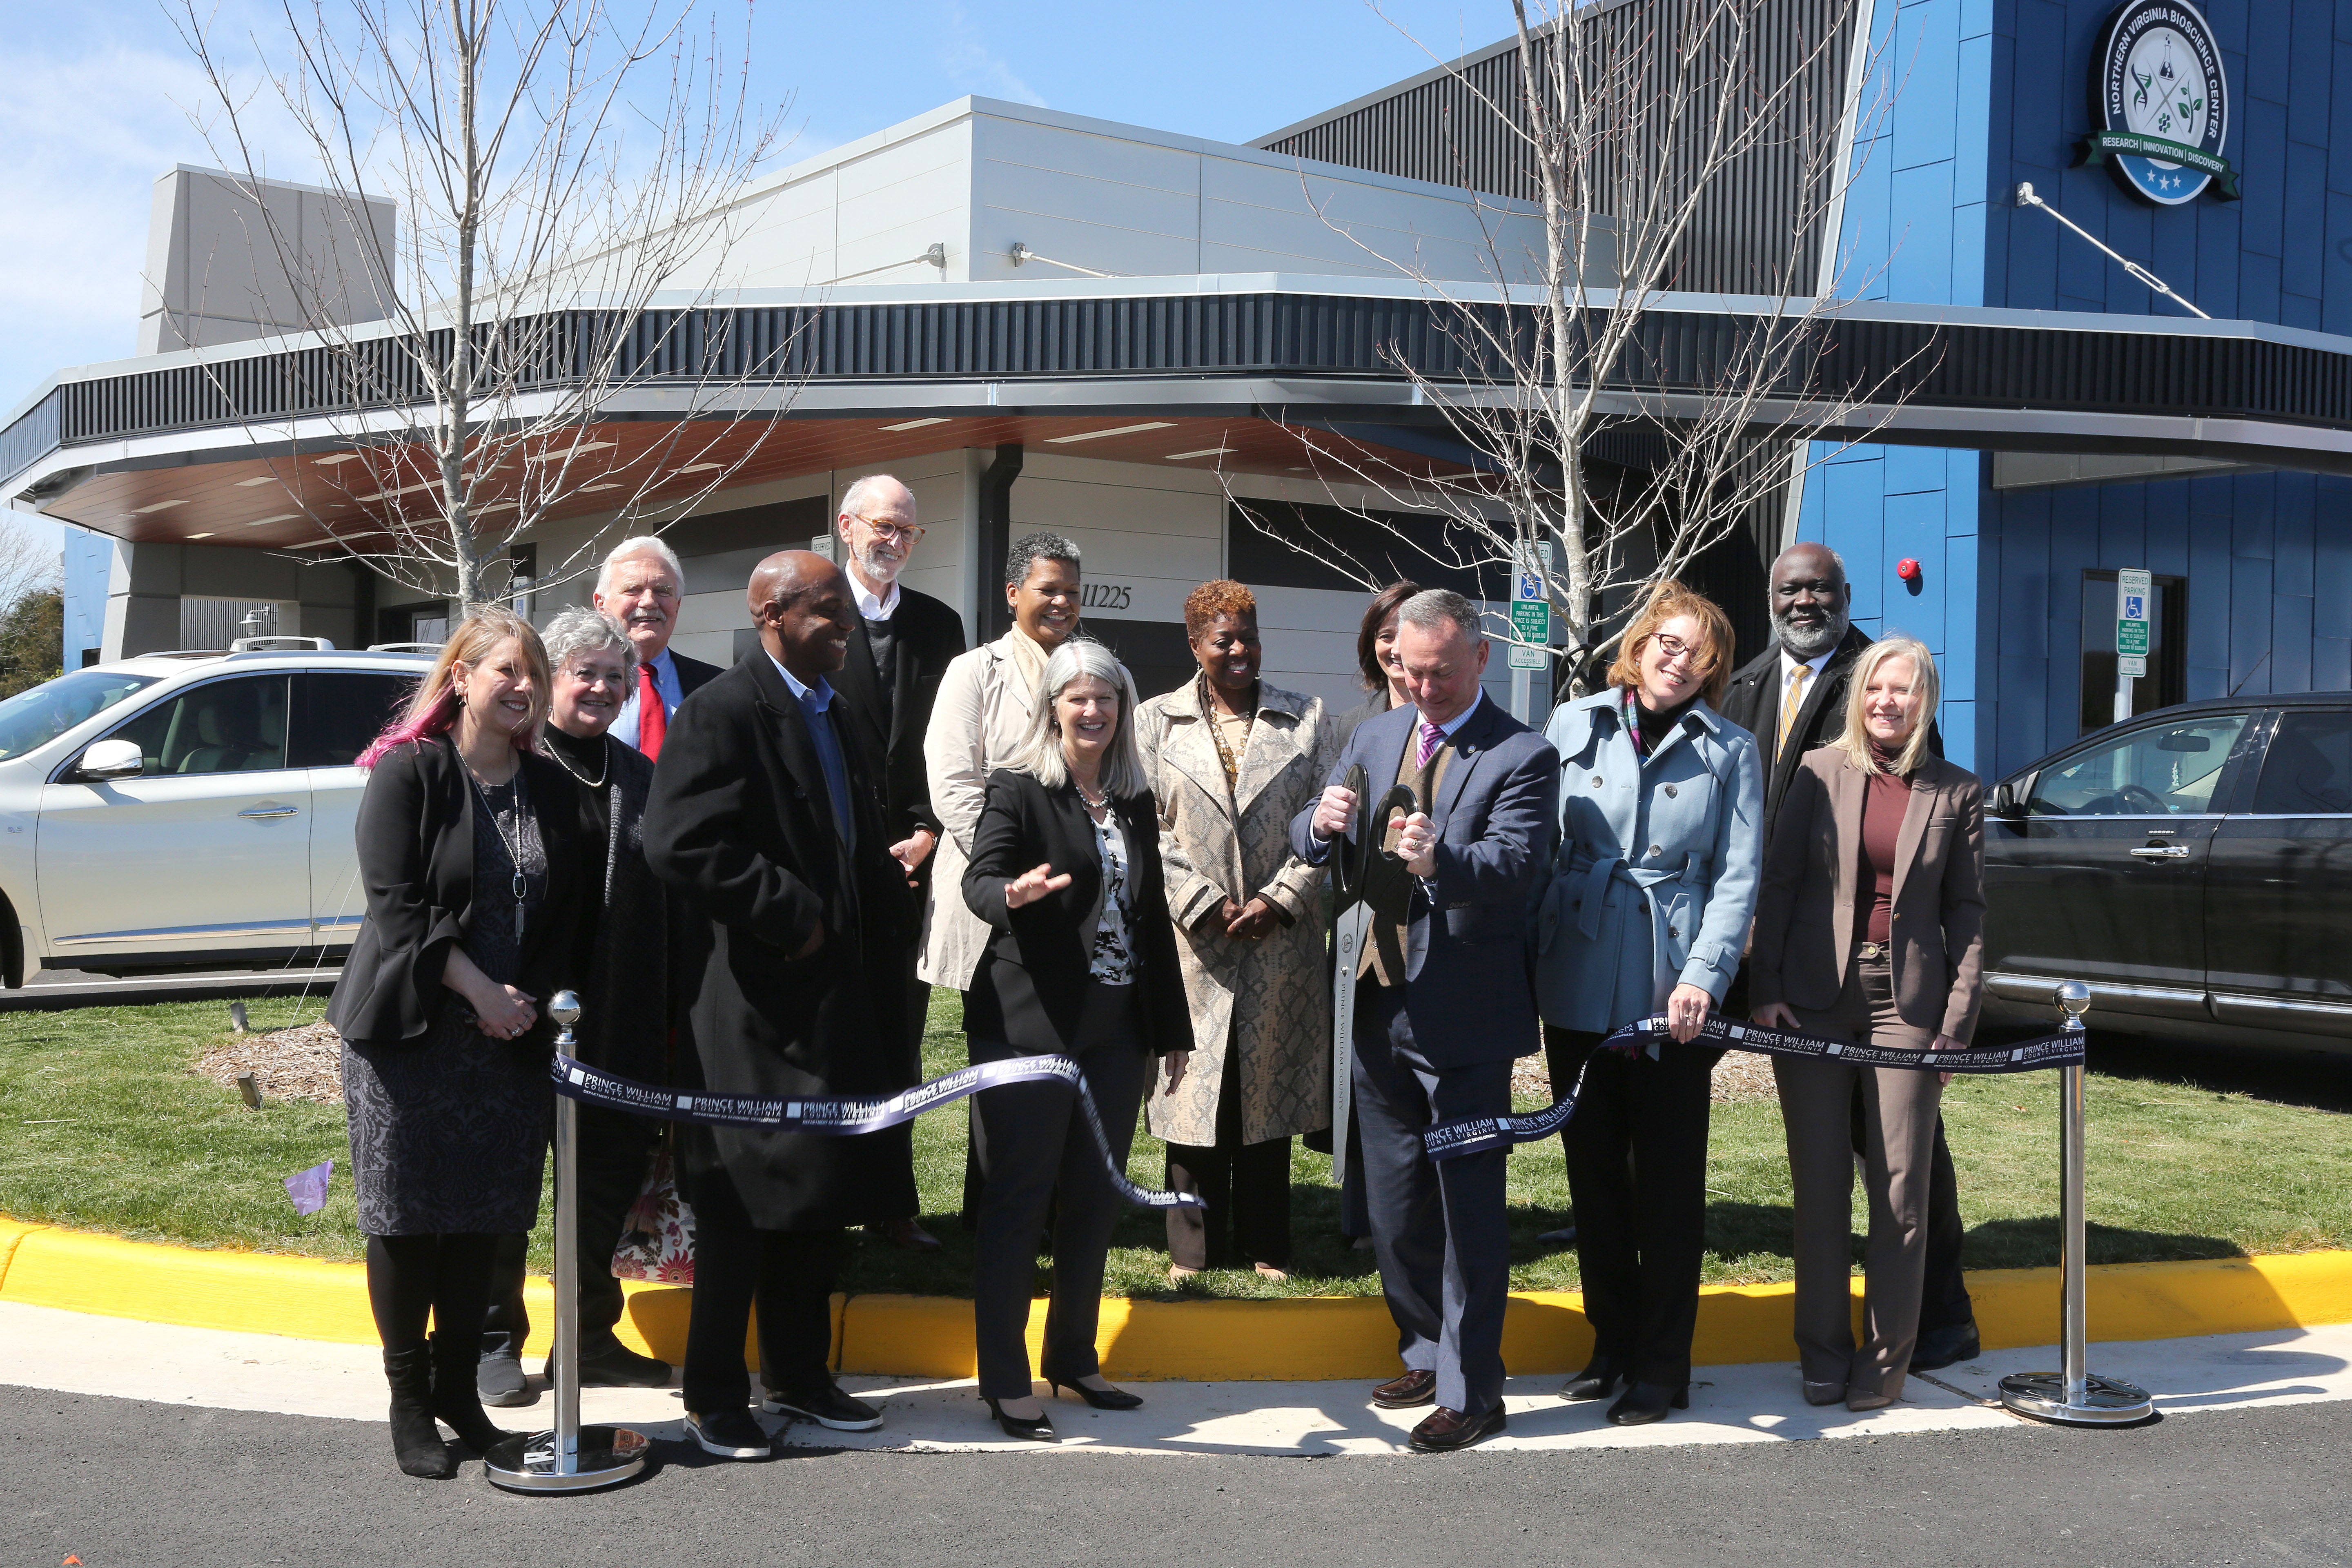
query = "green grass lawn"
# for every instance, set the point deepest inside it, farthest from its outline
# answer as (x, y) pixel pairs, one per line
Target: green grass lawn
(103, 1127)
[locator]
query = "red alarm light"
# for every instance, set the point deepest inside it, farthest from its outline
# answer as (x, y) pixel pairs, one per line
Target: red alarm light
(1908, 569)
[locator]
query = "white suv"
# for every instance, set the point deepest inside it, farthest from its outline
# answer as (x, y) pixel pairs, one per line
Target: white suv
(189, 810)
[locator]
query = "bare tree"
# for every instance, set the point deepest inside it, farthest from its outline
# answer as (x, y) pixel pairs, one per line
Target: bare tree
(563, 226)
(1640, 138)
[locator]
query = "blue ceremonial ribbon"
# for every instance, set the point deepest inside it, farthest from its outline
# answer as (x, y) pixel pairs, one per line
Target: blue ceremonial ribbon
(1476, 1134)
(846, 1117)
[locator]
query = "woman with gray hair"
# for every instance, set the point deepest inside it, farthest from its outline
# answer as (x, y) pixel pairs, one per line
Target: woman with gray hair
(626, 978)
(1081, 961)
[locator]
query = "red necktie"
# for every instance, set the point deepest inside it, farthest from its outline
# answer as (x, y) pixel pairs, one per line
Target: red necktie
(652, 723)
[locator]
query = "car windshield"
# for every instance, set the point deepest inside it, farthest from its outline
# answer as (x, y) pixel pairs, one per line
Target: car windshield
(31, 720)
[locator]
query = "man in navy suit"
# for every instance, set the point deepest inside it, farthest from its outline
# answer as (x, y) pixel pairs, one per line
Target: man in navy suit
(1444, 1004)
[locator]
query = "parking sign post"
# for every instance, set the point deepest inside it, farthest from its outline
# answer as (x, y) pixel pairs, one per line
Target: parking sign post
(1530, 628)
(2075, 1395)
(2132, 586)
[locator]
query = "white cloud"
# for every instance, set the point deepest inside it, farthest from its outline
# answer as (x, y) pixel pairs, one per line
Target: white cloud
(967, 62)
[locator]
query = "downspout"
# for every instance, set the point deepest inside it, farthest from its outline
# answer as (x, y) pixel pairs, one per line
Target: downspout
(996, 538)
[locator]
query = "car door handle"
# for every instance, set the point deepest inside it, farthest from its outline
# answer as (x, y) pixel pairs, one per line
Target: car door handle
(263, 813)
(2162, 852)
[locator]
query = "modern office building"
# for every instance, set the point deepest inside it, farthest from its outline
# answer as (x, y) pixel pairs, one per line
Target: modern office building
(1149, 342)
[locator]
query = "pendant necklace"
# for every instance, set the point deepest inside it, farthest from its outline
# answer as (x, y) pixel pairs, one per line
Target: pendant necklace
(514, 845)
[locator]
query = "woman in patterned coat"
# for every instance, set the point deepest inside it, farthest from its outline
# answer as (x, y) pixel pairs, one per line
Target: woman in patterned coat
(1231, 760)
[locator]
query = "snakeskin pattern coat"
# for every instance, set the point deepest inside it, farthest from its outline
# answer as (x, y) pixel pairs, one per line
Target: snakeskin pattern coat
(1270, 1000)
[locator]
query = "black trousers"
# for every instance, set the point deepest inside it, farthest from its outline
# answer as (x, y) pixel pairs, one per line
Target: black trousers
(1637, 1176)
(612, 1150)
(788, 1274)
(1035, 1154)
(1246, 1186)
(1944, 1301)
(1439, 1228)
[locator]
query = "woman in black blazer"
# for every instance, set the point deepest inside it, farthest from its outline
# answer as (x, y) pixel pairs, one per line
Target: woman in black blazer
(468, 851)
(1081, 963)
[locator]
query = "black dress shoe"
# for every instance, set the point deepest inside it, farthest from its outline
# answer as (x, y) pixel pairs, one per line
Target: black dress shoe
(1443, 1431)
(1404, 1393)
(1647, 1402)
(1940, 1348)
(1598, 1381)
(1100, 1398)
(1029, 1429)
(615, 1366)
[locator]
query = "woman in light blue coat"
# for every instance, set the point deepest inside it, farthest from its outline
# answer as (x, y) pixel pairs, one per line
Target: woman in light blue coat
(1646, 911)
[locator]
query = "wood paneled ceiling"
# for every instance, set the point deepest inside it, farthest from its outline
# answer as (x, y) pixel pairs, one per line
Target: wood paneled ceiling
(306, 501)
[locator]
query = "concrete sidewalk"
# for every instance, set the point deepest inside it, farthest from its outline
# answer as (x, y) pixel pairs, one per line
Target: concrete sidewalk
(44, 1348)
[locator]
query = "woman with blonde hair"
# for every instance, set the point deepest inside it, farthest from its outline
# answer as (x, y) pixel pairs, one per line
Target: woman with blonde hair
(1661, 807)
(1081, 961)
(1869, 927)
(468, 853)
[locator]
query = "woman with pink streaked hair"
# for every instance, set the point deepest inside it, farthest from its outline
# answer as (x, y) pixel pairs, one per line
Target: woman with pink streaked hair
(467, 847)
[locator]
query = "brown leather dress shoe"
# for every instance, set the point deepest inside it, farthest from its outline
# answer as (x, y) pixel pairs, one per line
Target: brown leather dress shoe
(1443, 1431)
(1404, 1393)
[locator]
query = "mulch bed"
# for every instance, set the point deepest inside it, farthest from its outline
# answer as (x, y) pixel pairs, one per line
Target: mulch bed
(1741, 1078)
(303, 1063)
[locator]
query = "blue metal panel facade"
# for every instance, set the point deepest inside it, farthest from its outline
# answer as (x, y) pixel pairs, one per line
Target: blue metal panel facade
(89, 558)
(1986, 93)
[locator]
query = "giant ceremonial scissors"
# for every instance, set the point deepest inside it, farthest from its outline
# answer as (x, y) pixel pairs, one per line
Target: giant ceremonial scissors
(1367, 879)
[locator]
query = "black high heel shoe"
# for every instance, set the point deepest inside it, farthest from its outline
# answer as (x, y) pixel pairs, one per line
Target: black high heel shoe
(1037, 1430)
(1597, 1381)
(1100, 1398)
(1647, 1402)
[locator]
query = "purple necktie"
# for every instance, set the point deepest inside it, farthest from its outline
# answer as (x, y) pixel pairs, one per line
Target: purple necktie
(1431, 737)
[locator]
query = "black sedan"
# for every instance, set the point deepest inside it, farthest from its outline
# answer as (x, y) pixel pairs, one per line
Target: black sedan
(2193, 866)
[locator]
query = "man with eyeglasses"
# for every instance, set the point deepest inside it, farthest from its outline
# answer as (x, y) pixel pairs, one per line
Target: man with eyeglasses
(640, 586)
(900, 645)
(1792, 699)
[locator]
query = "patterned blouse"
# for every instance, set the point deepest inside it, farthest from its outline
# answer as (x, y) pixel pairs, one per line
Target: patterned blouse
(1114, 956)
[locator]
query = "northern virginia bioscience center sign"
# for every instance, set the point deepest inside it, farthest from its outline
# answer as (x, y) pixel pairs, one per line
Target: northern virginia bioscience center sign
(2160, 104)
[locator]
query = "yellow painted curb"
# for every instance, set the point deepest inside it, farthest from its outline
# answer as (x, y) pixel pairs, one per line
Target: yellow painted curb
(1309, 1338)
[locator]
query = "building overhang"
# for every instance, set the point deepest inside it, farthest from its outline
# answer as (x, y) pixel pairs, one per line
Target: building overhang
(1247, 374)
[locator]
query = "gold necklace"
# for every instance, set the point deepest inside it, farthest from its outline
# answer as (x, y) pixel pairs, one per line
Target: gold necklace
(1233, 764)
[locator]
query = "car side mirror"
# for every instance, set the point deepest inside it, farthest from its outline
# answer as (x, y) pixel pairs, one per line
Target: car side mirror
(111, 760)
(2007, 803)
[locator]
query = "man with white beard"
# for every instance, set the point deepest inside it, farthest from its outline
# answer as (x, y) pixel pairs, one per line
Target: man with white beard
(899, 648)
(1792, 698)
(639, 586)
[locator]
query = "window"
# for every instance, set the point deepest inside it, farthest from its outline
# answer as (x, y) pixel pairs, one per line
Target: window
(2163, 770)
(337, 713)
(2167, 681)
(31, 720)
(2308, 772)
(224, 727)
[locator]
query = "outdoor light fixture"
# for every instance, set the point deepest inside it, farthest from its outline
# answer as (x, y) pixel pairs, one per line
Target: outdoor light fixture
(338, 457)
(697, 468)
(196, 536)
(158, 506)
(264, 479)
(281, 517)
(911, 424)
(1114, 430)
(567, 452)
(1204, 452)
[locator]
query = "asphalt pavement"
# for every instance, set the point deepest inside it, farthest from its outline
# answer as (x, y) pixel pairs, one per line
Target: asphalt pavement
(117, 1483)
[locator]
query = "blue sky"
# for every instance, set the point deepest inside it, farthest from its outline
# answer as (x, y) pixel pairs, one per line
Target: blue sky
(98, 97)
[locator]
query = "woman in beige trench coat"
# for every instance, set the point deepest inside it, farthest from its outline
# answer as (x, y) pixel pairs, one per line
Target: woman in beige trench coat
(1232, 760)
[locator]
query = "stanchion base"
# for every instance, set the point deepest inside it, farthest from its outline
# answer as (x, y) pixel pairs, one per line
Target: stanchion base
(526, 1462)
(2105, 1402)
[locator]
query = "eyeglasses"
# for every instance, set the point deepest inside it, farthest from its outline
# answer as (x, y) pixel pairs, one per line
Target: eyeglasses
(1670, 648)
(891, 532)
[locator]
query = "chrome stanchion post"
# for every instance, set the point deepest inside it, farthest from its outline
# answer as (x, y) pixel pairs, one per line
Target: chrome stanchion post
(2073, 1396)
(569, 1457)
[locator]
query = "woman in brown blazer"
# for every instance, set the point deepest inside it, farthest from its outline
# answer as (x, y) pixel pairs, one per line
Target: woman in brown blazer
(1870, 926)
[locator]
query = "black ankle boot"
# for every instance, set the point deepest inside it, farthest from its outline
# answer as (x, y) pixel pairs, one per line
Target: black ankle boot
(416, 1440)
(457, 1397)
(1597, 1381)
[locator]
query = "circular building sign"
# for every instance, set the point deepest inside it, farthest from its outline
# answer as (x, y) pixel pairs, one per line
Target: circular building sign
(2162, 102)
